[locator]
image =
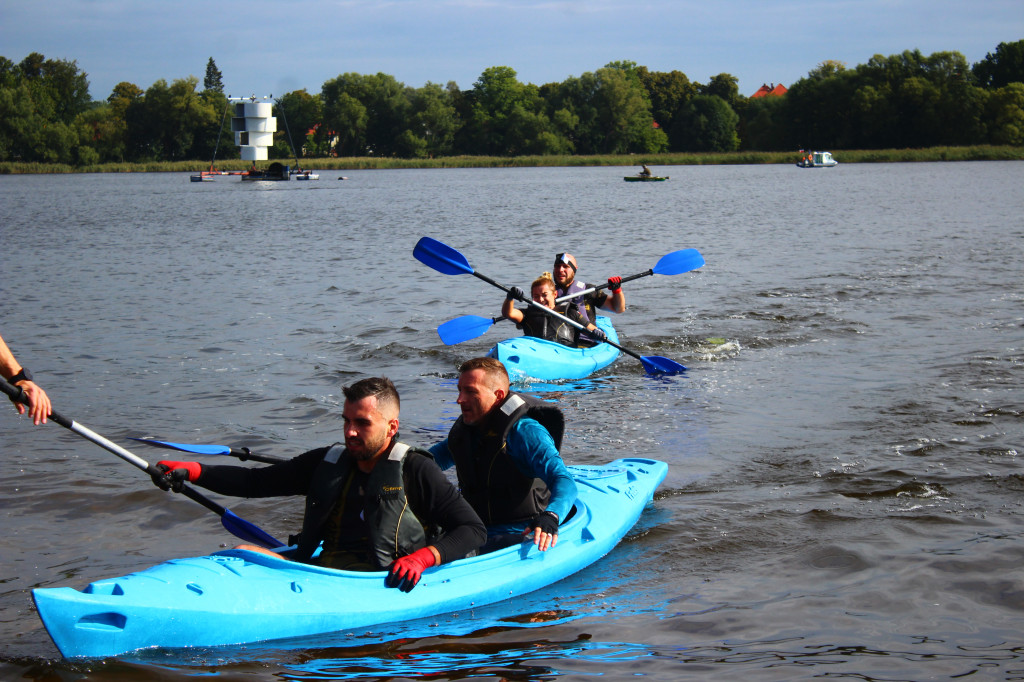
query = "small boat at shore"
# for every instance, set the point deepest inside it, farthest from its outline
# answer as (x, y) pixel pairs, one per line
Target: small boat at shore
(817, 160)
(530, 357)
(238, 596)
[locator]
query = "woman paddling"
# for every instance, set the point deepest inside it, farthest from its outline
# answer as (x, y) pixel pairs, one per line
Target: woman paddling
(535, 322)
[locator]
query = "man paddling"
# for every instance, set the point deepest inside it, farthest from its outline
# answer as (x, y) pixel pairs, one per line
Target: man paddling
(588, 304)
(505, 451)
(372, 502)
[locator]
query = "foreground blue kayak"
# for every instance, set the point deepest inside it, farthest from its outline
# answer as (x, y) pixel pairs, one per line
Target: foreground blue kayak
(238, 596)
(530, 357)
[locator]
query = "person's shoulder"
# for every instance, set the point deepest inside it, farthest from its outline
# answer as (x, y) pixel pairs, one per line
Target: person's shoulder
(318, 453)
(528, 427)
(418, 454)
(418, 460)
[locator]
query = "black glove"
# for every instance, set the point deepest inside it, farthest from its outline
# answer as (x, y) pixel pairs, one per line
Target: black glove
(547, 522)
(516, 293)
(598, 335)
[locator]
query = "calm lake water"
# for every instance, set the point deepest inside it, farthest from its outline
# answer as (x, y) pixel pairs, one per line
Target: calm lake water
(845, 490)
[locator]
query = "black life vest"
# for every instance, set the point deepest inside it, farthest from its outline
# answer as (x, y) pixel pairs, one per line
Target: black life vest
(394, 529)
(548, 327)
(490, 480)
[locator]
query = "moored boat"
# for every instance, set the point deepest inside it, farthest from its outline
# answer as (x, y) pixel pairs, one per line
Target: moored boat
(530, 357)
(817, 160)
(238, 596)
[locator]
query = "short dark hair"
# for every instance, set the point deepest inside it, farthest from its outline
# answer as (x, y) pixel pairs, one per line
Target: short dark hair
(380, 388)
(492, 367)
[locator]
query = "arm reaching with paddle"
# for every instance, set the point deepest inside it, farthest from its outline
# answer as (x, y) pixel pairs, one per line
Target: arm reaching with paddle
(39, 407)
(448, 261)
(533, 322)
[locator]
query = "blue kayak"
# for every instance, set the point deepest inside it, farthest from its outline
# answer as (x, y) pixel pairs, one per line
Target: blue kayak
(237, 596)
(530, 357)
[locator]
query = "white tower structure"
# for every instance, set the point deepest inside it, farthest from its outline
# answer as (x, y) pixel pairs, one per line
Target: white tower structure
(254, 128)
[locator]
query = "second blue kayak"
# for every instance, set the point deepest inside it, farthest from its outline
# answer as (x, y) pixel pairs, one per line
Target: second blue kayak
(529, 357)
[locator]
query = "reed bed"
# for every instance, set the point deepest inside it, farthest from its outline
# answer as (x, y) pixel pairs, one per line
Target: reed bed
(973, 153)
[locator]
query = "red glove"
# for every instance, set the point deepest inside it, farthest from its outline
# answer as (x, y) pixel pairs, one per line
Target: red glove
(406, 570)
(174, 474)
(614, 283)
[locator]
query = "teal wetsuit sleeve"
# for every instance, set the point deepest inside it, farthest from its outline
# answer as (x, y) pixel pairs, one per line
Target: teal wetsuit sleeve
(533, 450)
(442, 455)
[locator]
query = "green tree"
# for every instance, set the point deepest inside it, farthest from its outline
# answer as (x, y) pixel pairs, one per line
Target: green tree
(503, 117)
(1004, 114)
(1003, 67)
(707, 124)
(172, 122)
(433, 119)
(669, 92)
(762, 126)
(724, 86)
(303, 113)
(827, 69)
(612, 112)
(368, 113)
(39, 101)
(346, 115)
(214, 79)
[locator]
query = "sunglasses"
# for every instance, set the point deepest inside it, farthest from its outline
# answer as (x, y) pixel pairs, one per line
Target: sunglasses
(564, 258)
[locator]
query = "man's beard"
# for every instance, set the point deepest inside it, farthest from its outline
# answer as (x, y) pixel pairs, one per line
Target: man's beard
(368, 450)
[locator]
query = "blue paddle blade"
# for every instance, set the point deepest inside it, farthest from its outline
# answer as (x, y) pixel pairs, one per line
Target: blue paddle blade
(244, 530)
(655, 364)
(185, 447)
(441, 257)
(463, 329)
(678, 262)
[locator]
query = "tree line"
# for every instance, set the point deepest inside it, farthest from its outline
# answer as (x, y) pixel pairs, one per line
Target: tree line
(906, 100)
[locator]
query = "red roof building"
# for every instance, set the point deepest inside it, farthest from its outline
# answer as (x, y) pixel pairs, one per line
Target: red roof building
(770, 91)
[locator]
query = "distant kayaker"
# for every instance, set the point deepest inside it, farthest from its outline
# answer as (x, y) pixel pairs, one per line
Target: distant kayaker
(535, 322)
(38, 402)
(566, 285)
(646, 172)
(504, 448)
(372, 502)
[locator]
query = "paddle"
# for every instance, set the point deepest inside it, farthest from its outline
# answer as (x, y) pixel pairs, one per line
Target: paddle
(448, 261)
(471, 326)
(675, 263)
(241, 453)
(234, 524)
(465, 328)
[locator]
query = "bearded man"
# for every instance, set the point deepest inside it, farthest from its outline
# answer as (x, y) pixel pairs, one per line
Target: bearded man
(374, 503)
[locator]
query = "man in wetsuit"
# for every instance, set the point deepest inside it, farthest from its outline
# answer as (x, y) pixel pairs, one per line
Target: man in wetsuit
(374, 503)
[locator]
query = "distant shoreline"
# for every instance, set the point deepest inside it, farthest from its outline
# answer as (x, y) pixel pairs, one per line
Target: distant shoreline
(973, 153)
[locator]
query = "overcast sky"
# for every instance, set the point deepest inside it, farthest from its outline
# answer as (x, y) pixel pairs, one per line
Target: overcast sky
(269, 48)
